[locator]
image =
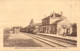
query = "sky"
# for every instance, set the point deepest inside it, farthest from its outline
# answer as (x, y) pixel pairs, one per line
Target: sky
(20, 12)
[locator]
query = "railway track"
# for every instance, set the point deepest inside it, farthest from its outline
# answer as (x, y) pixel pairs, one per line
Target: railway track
(60, 39)
(53, 42)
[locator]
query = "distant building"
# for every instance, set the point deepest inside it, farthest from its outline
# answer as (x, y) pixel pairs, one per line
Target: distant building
(16, 29)
(7, 31)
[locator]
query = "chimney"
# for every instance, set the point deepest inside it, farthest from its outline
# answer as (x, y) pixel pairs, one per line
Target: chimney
(61, 13)
(53, 14)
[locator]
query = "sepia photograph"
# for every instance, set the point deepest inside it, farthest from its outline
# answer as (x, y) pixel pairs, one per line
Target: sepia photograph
(39, 23)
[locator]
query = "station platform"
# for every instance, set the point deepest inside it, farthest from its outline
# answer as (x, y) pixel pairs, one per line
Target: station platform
(59, 36)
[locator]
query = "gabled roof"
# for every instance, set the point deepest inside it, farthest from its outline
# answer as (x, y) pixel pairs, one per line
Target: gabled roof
(16, 27)
(37, 24)
(57, 21)
(63, 22)
(56, 15)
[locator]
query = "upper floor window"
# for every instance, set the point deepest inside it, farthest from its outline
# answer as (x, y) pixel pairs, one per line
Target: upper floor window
(45, 22)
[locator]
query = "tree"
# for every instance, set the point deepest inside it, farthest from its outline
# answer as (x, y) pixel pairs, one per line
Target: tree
(32, 22)
(31, 26)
